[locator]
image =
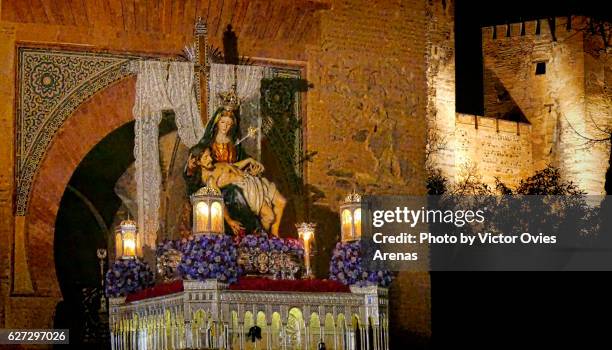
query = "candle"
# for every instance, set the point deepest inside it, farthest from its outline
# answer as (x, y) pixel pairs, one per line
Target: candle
(306, 233)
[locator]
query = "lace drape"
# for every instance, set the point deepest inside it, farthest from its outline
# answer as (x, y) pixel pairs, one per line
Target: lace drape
(151, 99)
(159, 86)
(184, 104)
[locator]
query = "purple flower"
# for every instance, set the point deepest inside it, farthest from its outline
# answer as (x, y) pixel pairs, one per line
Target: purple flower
(345, 266)
(207, 257)
(127, 276)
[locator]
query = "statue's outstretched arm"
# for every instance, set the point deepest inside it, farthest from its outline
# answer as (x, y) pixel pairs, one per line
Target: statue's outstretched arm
(256, 167)
(243, 163)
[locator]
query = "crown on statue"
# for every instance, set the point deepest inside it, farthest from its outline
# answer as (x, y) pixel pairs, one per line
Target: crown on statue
(230, 100)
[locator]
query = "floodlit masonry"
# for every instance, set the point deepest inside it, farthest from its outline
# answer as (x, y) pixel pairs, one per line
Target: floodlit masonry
(545, 91)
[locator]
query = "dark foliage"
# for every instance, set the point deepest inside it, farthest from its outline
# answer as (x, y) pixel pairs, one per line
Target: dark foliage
(436, 183)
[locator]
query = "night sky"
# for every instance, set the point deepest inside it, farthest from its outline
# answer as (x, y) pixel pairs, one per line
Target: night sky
(471, 15)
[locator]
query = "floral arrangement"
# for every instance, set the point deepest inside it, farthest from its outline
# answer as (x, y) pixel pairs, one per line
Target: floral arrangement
(209, 256)
(127, 276)
(263, 243)
(346, 267)
(168, 245)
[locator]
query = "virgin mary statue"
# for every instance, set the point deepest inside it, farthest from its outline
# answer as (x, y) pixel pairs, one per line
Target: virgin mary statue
(220, 137)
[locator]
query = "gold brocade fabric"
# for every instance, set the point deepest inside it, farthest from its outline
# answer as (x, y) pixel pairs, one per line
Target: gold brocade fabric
(224, 152)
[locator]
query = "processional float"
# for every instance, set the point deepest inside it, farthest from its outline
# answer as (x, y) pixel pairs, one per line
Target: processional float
(251, 292)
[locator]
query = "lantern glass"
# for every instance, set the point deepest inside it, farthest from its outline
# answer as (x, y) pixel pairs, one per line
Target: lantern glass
(207, 211)
(216, 216)
(347, 224)
(129, 244)
(118, 245)
(357, 223)
(201, 217)
(350, 217)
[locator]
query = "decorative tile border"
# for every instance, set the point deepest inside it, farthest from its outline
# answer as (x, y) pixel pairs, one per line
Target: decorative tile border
(51, 85)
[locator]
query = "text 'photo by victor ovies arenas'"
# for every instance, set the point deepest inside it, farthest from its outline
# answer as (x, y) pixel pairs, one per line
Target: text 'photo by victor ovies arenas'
(303, 174)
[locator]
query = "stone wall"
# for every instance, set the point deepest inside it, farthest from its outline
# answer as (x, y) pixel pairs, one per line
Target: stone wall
(492, 148)
(598, 99)
(367, 106)
(559, 103)
(366, 121)
(441, 88)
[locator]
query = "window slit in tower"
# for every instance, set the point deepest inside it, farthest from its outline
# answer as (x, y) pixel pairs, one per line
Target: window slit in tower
(540, 68)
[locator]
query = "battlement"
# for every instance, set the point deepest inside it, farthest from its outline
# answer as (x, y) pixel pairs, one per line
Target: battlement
(554, 28)
(498, 125)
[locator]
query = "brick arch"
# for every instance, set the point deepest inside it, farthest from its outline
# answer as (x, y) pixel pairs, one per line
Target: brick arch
(97, 117)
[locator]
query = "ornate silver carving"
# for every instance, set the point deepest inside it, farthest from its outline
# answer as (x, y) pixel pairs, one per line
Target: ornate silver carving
(275, 264)
(167, 265)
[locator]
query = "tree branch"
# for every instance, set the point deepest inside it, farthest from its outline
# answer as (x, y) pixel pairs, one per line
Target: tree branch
(586, 137)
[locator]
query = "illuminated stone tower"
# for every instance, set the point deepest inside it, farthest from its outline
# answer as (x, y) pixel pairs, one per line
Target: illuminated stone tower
(555, 74)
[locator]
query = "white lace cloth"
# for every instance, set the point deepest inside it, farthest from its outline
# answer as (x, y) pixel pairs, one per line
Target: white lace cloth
(182, 97)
